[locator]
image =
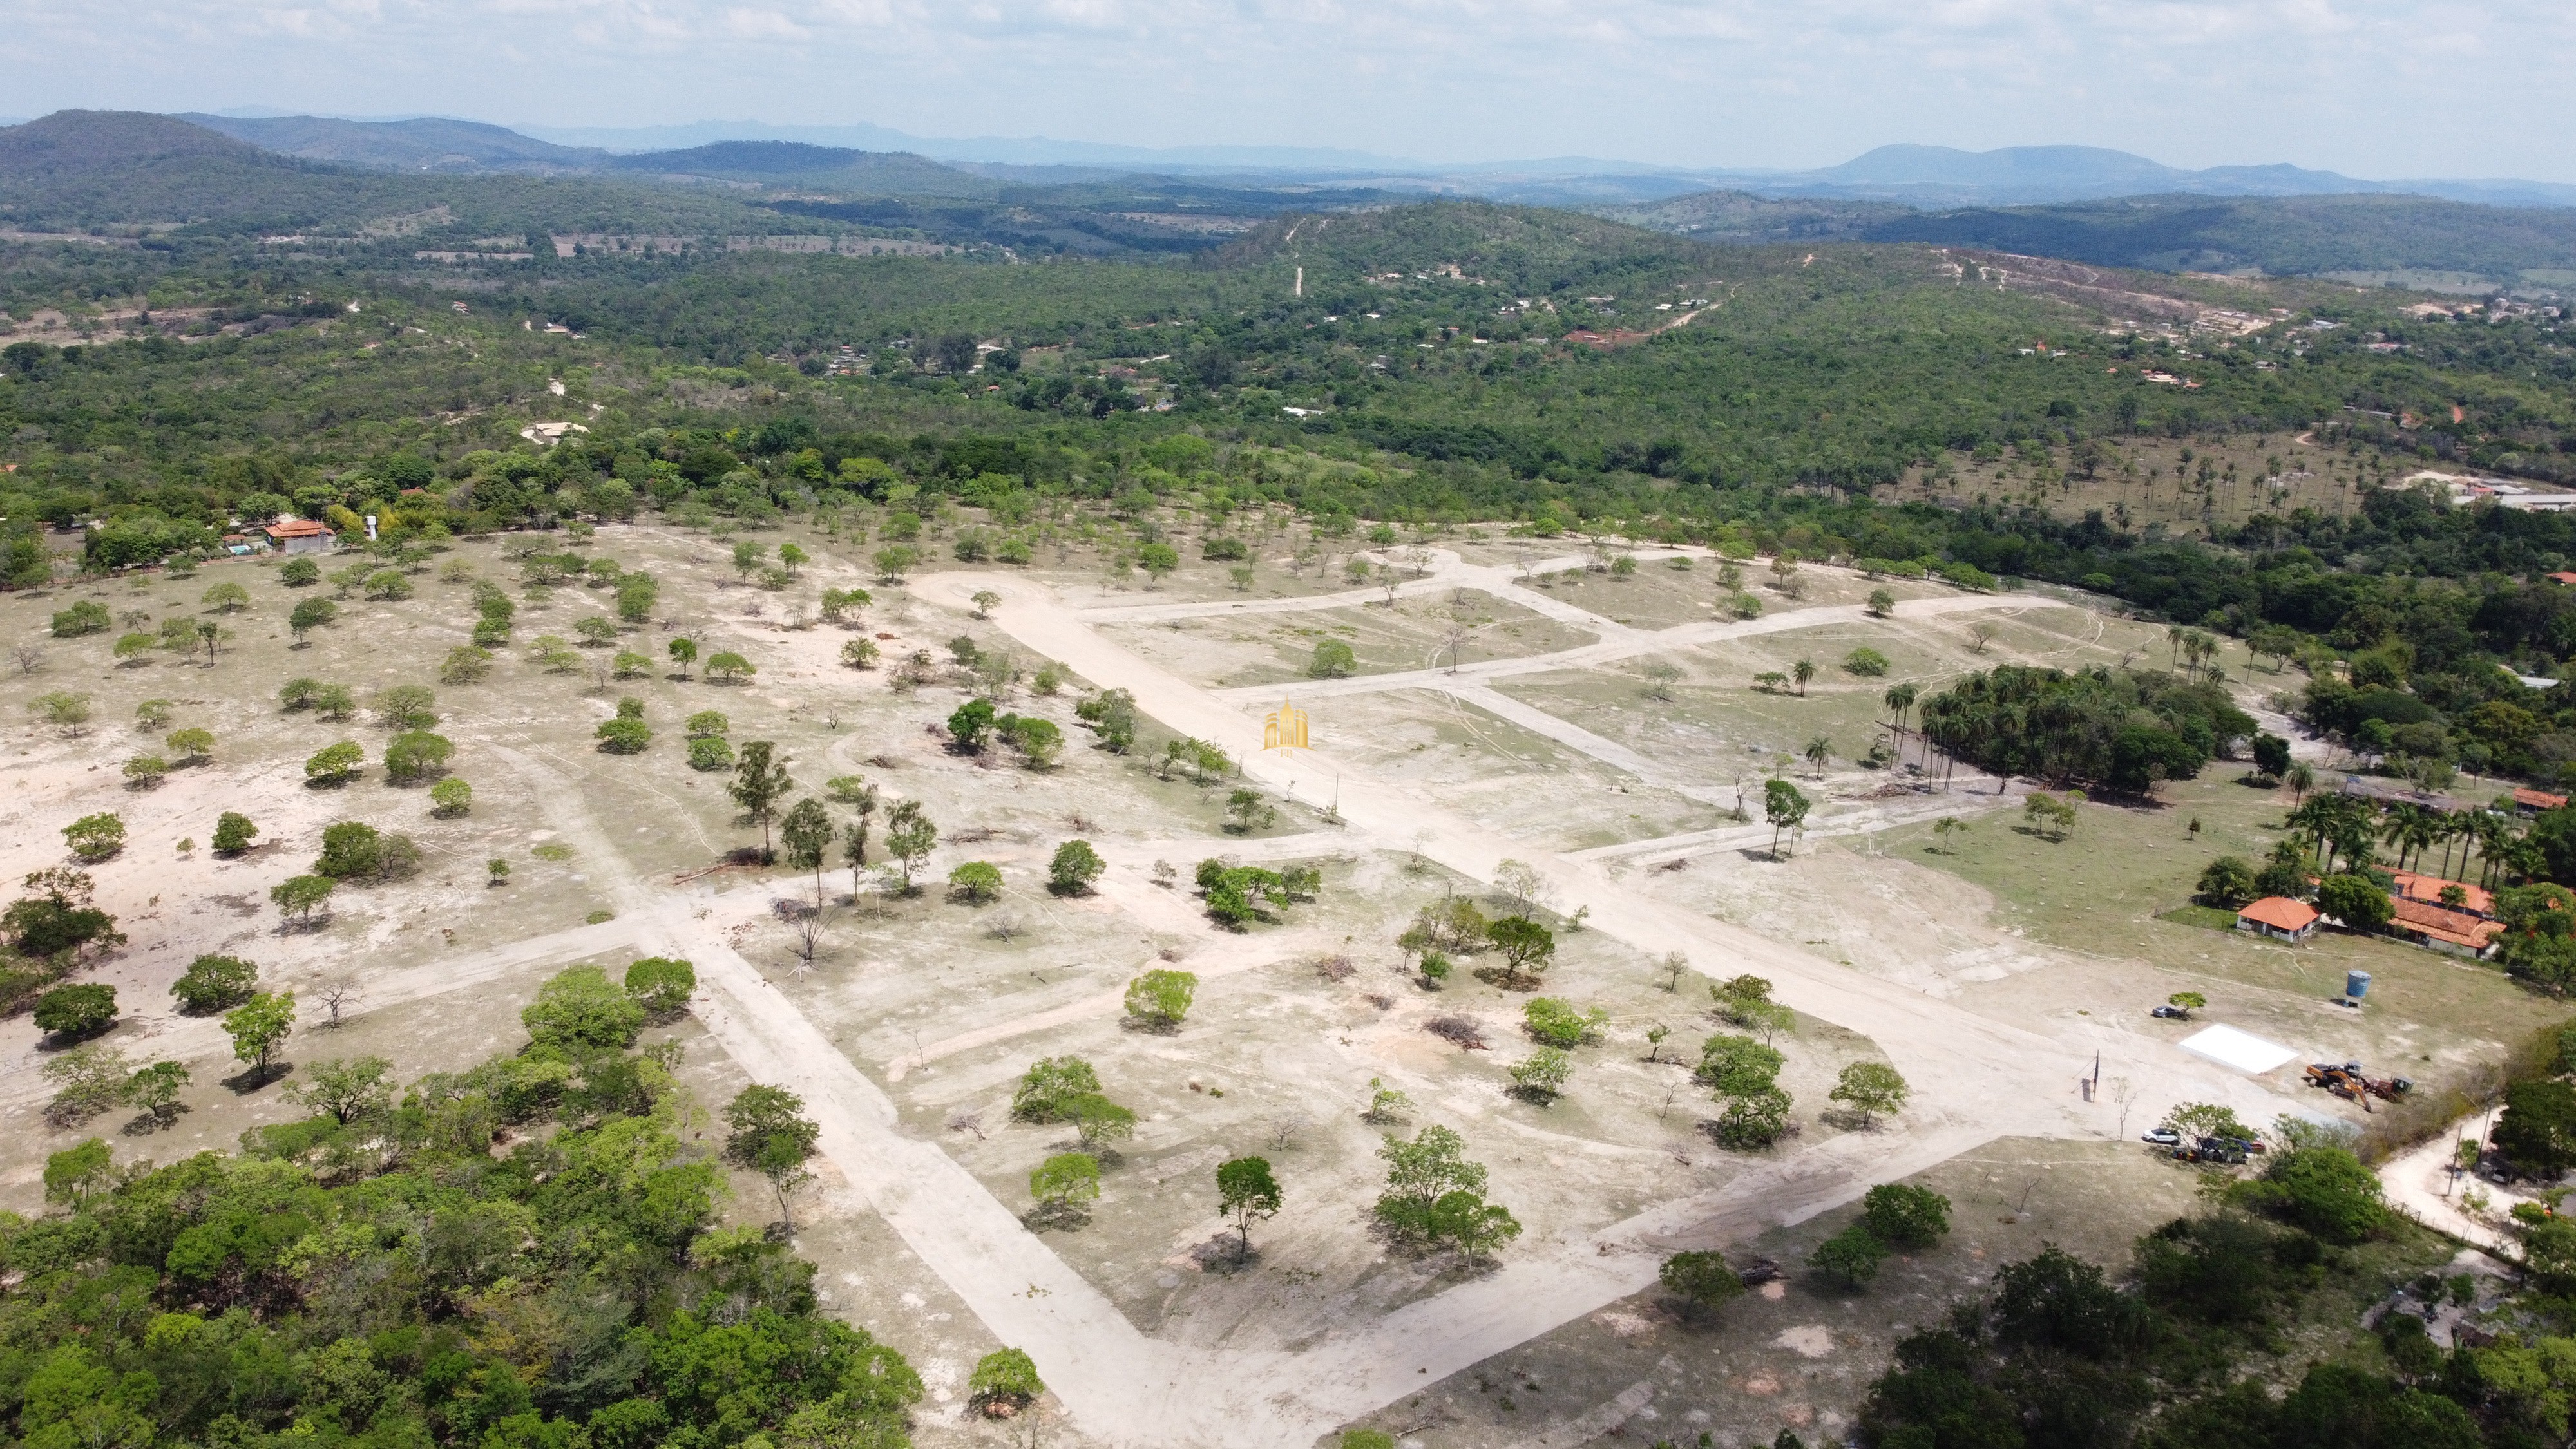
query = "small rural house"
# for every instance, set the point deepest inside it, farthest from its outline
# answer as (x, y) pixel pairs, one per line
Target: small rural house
(2280, 918)
(301, 535)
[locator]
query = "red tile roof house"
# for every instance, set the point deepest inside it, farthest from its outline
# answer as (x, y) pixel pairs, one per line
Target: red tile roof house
(2457, 932)
(2531, 802)
(301, 535)
(2280, 918)
(2476, 900)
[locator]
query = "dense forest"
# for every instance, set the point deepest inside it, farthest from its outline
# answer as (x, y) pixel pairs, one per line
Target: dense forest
(376, 1275)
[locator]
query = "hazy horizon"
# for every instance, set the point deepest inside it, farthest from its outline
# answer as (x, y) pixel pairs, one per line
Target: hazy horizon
(1754, 84)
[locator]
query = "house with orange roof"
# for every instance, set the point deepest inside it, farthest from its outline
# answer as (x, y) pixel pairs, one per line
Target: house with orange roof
(2527, 801)
(2476, 900)
(2442, 929)
(2280, 918)
(300, 535)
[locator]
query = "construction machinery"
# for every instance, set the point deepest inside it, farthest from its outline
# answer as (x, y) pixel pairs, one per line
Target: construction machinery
(2348, 1081)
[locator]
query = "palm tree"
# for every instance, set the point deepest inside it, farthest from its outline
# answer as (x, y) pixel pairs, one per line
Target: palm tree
(2397, 828)
(1802, 671)
(1899, 700)
(1819, 750)
(2301, 780)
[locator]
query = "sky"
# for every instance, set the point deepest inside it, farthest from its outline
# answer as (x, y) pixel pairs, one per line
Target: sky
(2372, 88)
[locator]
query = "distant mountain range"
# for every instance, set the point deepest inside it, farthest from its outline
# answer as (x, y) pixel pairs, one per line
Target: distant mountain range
(1922, 177)
(257, 175)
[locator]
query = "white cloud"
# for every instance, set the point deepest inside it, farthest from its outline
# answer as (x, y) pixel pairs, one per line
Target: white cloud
(2373, 87)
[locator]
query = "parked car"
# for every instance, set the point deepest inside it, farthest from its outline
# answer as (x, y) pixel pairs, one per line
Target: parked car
(2175, 1012)
(2161, 1136)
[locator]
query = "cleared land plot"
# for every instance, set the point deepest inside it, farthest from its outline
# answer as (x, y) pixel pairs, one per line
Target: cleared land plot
(1222, 653)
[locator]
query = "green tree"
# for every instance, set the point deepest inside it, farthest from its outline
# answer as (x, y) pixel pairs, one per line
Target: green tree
(75, 1175)
(1333, 660)
(1852, 1256)
(258, 1027)
(94, 838)
(78, 1010)
(1065, 1181)
(1542, 1075)
(451, 797)
(1702, 1281)
(581, 1007)
(346, 1091)
(808, 832)
(1527, 947)
(1005, 1383)
(969, 723)
(1161, 998)
(406, 707)
(191, 746)
(1784, 808)
(771, 1135)
(975, 882)
(910, 837)
(1870, 1088)
(1246, 1192)
(2537, 1131)
(334, 764)
(234, 833)
(154, 1090)
(760, 781)
(309, 615)
(2325, 1190)
(2227, 882)
(1049, 1084)
(1556, 1023)
(683, 652)
(416, 753)
(213, 983)
(2356, 901)
(1158, 559)
(728, 666)
(1905, 1217)
(1075, 866)
(662, 985)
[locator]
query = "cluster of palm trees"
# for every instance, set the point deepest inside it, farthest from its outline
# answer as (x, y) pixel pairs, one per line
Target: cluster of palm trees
(2346, 827)
(1899, 700)
(2193, 651)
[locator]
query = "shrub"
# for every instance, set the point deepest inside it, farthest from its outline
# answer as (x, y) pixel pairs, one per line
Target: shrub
(1003, 1378)
(355, 851)
(1049, 1084)
(1557, 1024)
(334, 764)
(1075, 867)
(234, 833)
(629, 665)
(706, 723)
(623, 736)
(1333, 659)
(1701, 1281)
(1542, 1074)
(297, 573)
(2356, 901)
(1905, 1217)
(146, 770)
(406, 707)
(415, 753)
(729, 666)
(707, 752)
(191, 745)
(82, 1009)
(662, 984)
(215, 983)
(1852, 1255)
(583, 1008)
(1160, 998)
(465, 664)
(2325, 1190)
(451, 797)
(134, 648)
(86, 617)
(859, 653)
(975, 882)
(2227, 882)
(298, 897)
(95, 837)
(1866, 662)
(1066, 1179)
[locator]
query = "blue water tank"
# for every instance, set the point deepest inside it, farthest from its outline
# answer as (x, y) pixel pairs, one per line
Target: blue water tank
(2356, 985)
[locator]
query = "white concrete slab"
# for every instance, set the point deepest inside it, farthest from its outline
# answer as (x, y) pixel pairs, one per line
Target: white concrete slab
(2244, 1051)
